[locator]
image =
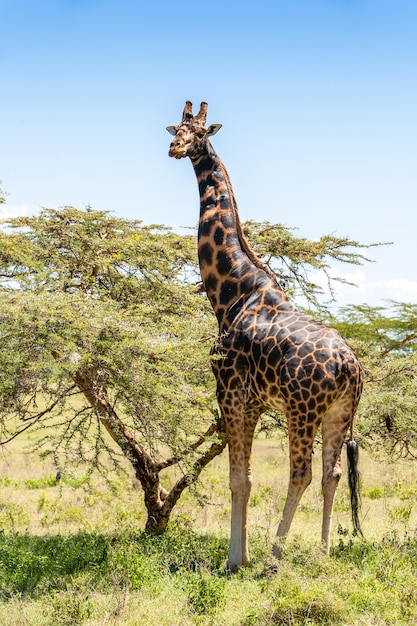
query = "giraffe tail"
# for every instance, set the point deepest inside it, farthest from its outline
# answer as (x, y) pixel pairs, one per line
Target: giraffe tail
(354, 484)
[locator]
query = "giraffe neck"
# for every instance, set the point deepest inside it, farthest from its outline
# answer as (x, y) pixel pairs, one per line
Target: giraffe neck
(229, 268)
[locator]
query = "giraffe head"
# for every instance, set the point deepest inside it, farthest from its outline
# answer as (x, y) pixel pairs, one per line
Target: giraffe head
(191, 134)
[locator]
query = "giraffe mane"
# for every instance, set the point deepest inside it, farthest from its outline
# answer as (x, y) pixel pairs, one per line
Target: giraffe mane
(241, 235)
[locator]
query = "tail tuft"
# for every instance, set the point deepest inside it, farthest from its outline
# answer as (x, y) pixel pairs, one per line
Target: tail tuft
(354, 484)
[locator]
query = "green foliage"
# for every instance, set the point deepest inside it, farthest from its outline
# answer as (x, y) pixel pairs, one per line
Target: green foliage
(41, 483)
(388, 411)
(375, 493)
(179, 577)
(129, 565)
(86, 290)
(12, 515)
(389, 330)
(30, 564)
(300, 604)
(3, 195)
(178, 549)
(72, 606)
(401, 513)
(142, 560)
(382, 558)
(294, 258)
(205, 592)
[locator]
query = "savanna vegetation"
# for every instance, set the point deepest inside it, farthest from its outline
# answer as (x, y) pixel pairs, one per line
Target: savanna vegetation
(73, 552)
(110, 430)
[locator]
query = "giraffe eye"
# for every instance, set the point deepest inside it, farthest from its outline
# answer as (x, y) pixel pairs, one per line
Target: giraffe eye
(200, 134)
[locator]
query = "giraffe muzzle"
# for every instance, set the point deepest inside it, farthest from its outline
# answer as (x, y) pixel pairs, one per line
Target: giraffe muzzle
(177, 151)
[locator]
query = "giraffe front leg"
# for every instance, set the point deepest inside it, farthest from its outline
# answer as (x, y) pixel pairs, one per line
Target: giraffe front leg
(240, 485)
(240, 488)
(240, 428)
(239, 480)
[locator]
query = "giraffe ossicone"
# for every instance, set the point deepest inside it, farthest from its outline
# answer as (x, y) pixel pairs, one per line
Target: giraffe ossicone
(273, 356)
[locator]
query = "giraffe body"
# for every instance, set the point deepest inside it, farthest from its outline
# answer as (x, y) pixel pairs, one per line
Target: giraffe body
(268, 354)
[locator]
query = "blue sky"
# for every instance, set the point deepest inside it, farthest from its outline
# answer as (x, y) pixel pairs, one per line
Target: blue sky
(317, 98)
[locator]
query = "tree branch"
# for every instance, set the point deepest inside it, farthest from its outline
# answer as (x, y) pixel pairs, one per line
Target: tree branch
(216, 426)
(35, 418)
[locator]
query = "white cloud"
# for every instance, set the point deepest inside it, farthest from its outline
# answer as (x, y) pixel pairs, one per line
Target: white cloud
(401, 289)
(366, 291)
(17, 210)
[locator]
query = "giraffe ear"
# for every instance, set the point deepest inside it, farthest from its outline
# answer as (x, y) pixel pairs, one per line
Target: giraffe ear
(172, 130)
(213, 129)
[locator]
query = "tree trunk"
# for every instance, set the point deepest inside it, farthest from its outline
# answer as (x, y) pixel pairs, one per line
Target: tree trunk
(159, 502)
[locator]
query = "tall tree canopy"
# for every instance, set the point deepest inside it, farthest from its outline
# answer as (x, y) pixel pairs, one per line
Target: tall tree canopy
(105, 339)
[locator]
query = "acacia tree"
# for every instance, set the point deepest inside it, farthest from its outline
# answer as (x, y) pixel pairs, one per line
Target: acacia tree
(105, 339)
(94, 344)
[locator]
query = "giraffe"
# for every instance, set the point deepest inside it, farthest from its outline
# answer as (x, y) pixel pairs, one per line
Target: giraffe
(268, 354)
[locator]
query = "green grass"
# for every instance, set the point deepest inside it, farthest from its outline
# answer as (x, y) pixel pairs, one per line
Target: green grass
(82, 578)
(76, 554)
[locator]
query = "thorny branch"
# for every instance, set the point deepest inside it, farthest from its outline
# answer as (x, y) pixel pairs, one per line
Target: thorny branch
(33, 419)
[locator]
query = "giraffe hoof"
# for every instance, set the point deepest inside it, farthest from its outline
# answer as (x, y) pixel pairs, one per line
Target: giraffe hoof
(233, 568)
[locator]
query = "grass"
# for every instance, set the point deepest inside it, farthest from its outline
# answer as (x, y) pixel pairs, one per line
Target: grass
(76, 554)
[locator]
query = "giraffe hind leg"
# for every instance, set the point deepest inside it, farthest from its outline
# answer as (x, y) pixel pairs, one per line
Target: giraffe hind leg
(297, 486)
(334, 427)
(301, 451)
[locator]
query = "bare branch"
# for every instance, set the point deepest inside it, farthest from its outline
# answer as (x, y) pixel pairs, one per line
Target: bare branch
(33, 419)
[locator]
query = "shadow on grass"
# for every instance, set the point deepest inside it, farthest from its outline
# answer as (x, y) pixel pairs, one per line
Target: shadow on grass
(30, 562)
(35, 565)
